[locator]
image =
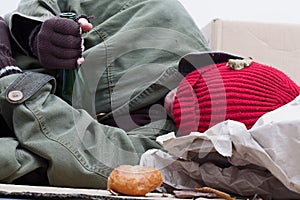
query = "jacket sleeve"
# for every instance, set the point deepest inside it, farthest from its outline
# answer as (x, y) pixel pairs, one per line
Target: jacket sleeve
(29, 14)
(80, 152)
(20, 166)
(110, 16)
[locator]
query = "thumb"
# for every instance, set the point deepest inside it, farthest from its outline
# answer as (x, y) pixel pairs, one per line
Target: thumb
(85, 25)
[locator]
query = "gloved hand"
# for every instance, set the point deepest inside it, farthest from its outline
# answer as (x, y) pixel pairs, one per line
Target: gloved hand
(7, 62)
(5, 52)
(58, 43)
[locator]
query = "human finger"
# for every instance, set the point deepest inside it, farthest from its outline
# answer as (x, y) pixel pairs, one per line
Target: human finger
(85, 25)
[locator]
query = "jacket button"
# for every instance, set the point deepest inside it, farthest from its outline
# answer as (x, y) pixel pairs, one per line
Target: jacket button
(15, 95)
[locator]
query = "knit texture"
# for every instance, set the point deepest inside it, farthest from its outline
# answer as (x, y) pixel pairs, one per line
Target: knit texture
(216, 93)
(57, 43)
(5, 57)
(5, 52)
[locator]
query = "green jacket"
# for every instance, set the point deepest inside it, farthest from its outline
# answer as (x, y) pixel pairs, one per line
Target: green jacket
(130, 64)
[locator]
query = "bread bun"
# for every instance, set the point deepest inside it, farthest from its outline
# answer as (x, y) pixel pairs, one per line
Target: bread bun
(134, 180)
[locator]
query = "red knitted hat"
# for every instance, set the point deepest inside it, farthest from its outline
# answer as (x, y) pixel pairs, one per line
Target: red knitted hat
(216, 92)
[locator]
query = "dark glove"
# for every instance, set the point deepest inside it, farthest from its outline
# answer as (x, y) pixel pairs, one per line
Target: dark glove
(57, 43)
(5, 51)
(7, 62)
(5, 57)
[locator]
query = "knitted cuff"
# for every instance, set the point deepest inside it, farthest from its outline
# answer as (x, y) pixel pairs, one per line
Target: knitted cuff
(9, 70)
(5, 57)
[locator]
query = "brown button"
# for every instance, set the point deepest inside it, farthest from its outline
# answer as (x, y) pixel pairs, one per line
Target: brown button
(15, 95)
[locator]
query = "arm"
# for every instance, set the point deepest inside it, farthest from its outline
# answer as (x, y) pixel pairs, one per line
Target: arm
(7, 63)
(80, 151)
(41, 33)
(24, 19)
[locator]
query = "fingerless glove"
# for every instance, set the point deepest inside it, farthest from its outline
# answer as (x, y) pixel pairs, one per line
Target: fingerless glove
(7, 62)
(57, 43)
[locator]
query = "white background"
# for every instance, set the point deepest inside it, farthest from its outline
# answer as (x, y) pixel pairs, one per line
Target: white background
(203, 11)
(275, 11)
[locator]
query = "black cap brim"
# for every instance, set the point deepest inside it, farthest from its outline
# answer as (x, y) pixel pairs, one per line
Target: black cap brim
(192, 61)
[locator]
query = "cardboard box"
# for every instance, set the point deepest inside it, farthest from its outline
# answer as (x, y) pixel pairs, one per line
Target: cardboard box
(25, 192)
(273, 44)
(10, 192)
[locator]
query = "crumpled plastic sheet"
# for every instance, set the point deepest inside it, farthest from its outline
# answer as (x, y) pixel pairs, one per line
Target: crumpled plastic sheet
(263, 160)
